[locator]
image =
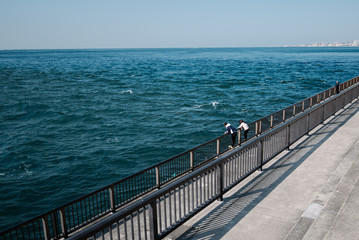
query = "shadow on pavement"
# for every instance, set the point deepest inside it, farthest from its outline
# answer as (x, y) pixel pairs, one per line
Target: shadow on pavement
(234, 208)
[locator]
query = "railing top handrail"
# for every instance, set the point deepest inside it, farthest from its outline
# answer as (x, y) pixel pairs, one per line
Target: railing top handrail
(306, 99)
(192, 149)
(180, 181)
(248, 143)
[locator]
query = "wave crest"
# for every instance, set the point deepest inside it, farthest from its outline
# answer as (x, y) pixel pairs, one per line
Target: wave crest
(213, 104)
(127, 91)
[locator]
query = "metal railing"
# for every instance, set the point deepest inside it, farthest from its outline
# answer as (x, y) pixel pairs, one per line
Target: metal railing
(160, 212)
(71, 217)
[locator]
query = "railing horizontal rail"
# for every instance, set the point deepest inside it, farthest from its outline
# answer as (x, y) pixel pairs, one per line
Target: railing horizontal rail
(161, 212)
(64, 220)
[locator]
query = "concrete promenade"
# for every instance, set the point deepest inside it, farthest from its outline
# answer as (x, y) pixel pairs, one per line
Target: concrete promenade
(308, 192)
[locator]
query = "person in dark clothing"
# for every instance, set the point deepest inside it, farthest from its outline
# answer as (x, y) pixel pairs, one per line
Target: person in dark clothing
(337, 87)
(231, 130)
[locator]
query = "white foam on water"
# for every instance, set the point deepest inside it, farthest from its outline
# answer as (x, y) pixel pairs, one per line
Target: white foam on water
(197, 106)
(127, 91)
(215, 104)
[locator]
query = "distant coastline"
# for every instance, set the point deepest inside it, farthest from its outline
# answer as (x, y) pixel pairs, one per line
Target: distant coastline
(354, 43)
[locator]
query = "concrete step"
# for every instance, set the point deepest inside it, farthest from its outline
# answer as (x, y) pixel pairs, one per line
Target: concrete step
(288, 199)
(321, 217)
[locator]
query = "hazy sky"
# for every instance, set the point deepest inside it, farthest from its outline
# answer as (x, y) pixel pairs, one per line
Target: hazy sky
(49, 24)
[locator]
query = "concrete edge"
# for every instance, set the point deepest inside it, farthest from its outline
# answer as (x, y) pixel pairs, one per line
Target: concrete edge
(317, 207)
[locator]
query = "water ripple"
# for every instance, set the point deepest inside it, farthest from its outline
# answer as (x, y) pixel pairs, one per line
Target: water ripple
(74, 121)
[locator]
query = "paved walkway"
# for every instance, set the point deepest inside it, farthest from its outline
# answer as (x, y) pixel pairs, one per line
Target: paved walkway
(308, 192)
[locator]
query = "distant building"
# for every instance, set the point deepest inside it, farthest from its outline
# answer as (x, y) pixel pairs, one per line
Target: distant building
(354, 43)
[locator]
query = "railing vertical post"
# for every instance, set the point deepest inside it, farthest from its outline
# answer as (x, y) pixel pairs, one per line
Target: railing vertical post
(220, 180)
(283, 115)
(191, 162)
(303, 107)
(335, 105)
(112, 198)
(311, 102)
(54, 224)
(218, 146)
(63, 222)
(45, 227)
(308, 122)
(158, 183)
(258, 127)
(288, 137)
(260, 154)
(293, 110)
(153, 220)
(271, 121)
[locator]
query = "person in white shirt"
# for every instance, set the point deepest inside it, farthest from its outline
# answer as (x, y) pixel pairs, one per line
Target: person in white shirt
(243, 126)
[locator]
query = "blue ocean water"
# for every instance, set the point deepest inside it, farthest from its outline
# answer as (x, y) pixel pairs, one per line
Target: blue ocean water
(73, 121)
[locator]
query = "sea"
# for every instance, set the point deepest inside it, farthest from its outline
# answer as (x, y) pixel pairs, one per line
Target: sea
(73, 121)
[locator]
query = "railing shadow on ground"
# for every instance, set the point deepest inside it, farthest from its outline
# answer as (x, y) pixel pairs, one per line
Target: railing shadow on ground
(234, 208)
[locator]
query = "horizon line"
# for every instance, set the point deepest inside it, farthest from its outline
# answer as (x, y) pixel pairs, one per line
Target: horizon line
(142, 48)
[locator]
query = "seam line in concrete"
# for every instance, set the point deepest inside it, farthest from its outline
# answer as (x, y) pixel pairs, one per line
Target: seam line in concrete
(317, 207)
